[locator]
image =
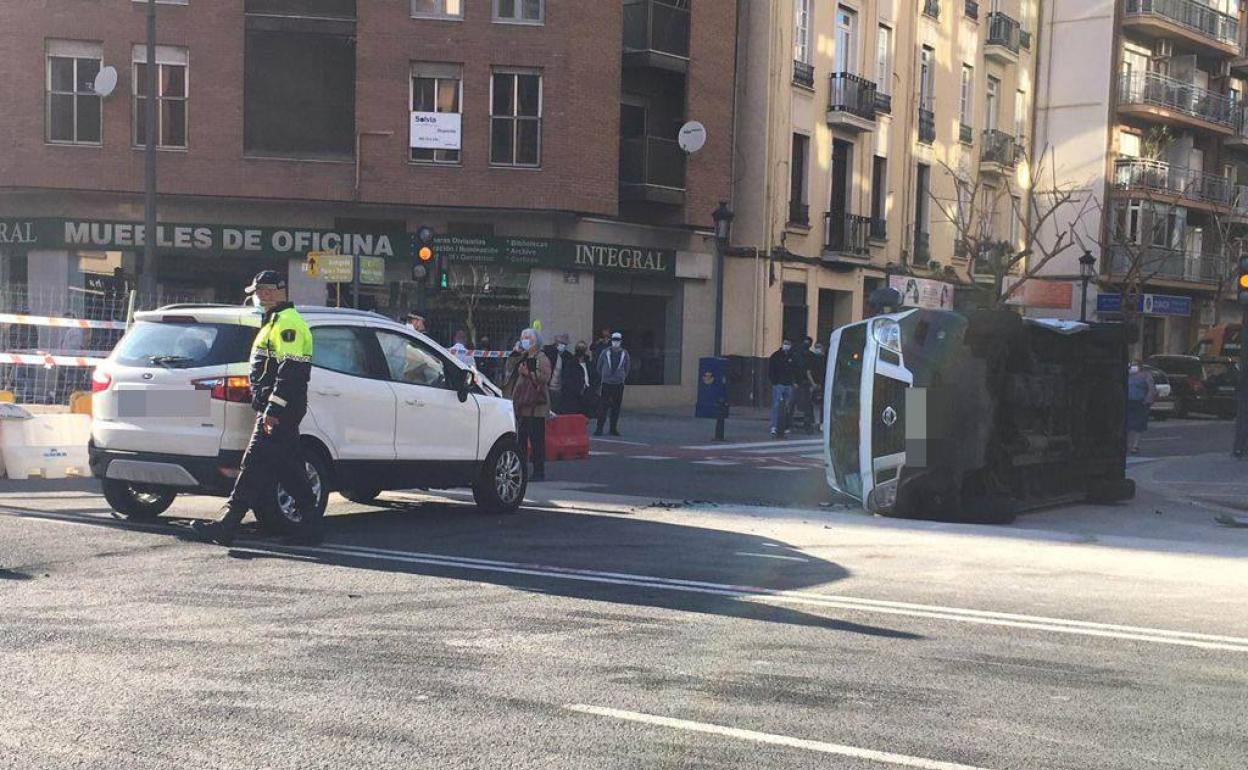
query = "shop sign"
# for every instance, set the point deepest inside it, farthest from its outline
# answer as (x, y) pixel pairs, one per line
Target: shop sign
(1036, 293)
(17, 232)
(922, 292)
(435, 131)
(215, 240)
(1148, 304)
(558, 254)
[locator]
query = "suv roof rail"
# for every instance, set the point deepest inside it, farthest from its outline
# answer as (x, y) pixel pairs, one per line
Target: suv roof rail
(349, 311)
(191, 306)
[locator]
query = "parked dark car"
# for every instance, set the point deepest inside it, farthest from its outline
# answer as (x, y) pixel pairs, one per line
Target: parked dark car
(1205, 386)
(1164, 404)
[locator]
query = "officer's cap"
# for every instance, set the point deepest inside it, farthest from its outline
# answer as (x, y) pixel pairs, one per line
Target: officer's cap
(268, 279)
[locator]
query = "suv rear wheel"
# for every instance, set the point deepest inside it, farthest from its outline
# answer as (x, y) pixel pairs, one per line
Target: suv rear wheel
(137, 503)
(501, 485)
(279, 514)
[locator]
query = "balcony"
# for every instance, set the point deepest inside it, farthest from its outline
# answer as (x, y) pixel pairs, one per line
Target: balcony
(922, 253)
(799, 214)
(1174, 184)
(1239, 140)
(879, 229)
(971, 10)
(1239, 65)
(1003, 38)
(966, 134)
(652, 170)
(927, 123)
(1195, 23)
(803, 74)
(846, 236)
(851, 102)
(1157, 264)
(1155, 97)
(931, 8)
(883, 103)
(998, 152)
(656, 34)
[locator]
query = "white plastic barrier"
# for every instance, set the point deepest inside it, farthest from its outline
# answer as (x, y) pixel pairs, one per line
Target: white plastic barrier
(50, 446)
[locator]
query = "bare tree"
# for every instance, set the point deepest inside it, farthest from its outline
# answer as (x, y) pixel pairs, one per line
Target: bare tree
(1045, 214)
(1139, 246)
(467, 285)
(1229, 226)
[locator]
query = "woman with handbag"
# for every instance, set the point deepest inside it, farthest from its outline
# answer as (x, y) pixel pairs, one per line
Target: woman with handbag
(528, 383)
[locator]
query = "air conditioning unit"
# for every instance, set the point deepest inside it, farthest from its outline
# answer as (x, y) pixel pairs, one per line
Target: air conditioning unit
(1163, 49)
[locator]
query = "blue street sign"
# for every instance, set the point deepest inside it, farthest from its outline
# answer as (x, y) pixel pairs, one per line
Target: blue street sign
(1148, 304)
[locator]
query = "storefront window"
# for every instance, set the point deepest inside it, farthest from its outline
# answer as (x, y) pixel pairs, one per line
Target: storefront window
(650, 316)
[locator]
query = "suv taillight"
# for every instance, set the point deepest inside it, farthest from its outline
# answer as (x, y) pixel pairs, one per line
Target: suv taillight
(1195, 384)
(100, 381)
(235, 390)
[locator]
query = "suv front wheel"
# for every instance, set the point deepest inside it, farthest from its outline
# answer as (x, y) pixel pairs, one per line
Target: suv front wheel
(502, 482)
(137, 503)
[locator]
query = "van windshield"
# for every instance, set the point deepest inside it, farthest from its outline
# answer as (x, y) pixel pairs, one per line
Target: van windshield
(844, 434)
(184, 345)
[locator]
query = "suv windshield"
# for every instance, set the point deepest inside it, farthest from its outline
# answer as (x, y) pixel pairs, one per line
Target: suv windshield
(184, 345)
(843, 428)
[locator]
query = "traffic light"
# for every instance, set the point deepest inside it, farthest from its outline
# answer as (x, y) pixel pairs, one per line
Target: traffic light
(1241, 279)
(424, 255)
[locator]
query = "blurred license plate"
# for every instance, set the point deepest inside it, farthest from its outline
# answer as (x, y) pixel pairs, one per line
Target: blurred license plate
(163, 403)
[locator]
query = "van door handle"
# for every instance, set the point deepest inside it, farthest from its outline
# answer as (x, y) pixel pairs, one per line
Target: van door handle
(328, 392)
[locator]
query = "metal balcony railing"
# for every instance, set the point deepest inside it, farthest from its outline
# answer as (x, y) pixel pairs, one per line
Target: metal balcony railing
(966, 134)
(1172, 264)
(971, 10)
(799, 213)
(922, 246)
(1158, 90)
(803, 73)
(1004, 31)
(1024, 39)
(879, 229)
(998, 147)
(846, 233)
(652, 162)
(883, 103)
(851, 94)
(927, 123)
(1196, 16)
(657, 25)
(932, 8)
(1158, 177)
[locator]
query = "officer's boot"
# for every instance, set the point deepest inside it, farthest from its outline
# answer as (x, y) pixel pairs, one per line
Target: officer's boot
(220, 532)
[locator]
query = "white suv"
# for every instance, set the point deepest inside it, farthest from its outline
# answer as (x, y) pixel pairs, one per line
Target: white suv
(387, 409)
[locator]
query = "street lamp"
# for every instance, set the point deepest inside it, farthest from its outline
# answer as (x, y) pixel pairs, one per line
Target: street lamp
(1087, 269)
(723, 217)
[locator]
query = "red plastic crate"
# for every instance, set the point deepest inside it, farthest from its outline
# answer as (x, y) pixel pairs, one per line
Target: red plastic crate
(567, 437)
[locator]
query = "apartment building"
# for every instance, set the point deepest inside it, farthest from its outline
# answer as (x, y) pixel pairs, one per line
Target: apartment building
(1151, 126)
(859, 121)
(537, 138)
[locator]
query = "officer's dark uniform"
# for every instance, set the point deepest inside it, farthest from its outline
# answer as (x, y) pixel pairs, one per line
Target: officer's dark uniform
(281, 363)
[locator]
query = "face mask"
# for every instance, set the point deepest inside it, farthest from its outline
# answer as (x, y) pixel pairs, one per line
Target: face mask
(786, 347)
(525, 343)
(616, 343)
(818, 351)
(562, 347)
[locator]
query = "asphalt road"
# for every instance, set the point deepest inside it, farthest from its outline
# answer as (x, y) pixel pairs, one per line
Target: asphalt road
(424, 634)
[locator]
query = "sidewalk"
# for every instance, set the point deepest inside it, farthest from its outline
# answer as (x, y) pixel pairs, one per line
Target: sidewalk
(1216, 480)
(678, 426)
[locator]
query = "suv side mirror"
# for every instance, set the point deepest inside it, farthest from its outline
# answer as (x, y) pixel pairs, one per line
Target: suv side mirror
(463, 381)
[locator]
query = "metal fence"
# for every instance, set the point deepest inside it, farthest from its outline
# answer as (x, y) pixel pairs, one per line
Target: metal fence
(51, 337)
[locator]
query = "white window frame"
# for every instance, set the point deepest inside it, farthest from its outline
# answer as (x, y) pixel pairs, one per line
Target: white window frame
(76, 50)
(846, 41)
(927, 75)
(884, 59)
(966, 107)
(515, 104)
(1020, 114)
(166, 56)
(443, 15)
(519, 17)
(1016, 213)
(437, 72)
(992, 103)
(801, 31)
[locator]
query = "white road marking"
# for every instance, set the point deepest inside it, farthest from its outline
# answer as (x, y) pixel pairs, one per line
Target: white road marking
(754, 444)
(885, 757)
(716, 462)
(743, 593)
(1138, 460)
(771, 556)
(786, 467)
(648, 457)
(593, 453)
(779, 450)
(619, 441)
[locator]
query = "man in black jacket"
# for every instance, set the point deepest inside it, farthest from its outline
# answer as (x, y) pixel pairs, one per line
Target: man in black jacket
(780, 372)
(281, 364)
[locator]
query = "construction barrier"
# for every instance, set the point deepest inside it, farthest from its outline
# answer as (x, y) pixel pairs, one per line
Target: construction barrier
(567, 437)
(60, 323)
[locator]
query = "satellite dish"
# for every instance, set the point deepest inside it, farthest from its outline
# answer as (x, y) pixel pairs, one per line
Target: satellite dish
(692, 137)
(105, 81)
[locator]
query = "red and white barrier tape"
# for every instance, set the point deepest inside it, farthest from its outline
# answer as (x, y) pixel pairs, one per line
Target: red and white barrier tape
(67, 323)
(47, 360)
(486, 353)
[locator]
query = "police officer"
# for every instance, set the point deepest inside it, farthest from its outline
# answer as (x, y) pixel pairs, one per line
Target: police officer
(281, 362)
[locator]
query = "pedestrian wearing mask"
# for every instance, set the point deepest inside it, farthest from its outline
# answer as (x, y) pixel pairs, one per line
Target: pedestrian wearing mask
(1141, 393)
(528, 383)
(780, 372)
(818, 373)
(581, 373)
(613, 365)
(804, 384)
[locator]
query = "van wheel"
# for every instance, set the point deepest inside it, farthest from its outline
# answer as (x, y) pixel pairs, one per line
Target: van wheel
(361, 495)
(1107, 491)
(279, 515)
(501, 485)
(137, 503)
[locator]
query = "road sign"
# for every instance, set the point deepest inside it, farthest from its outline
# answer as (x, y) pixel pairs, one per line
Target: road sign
(335, 268)
(372, 270)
